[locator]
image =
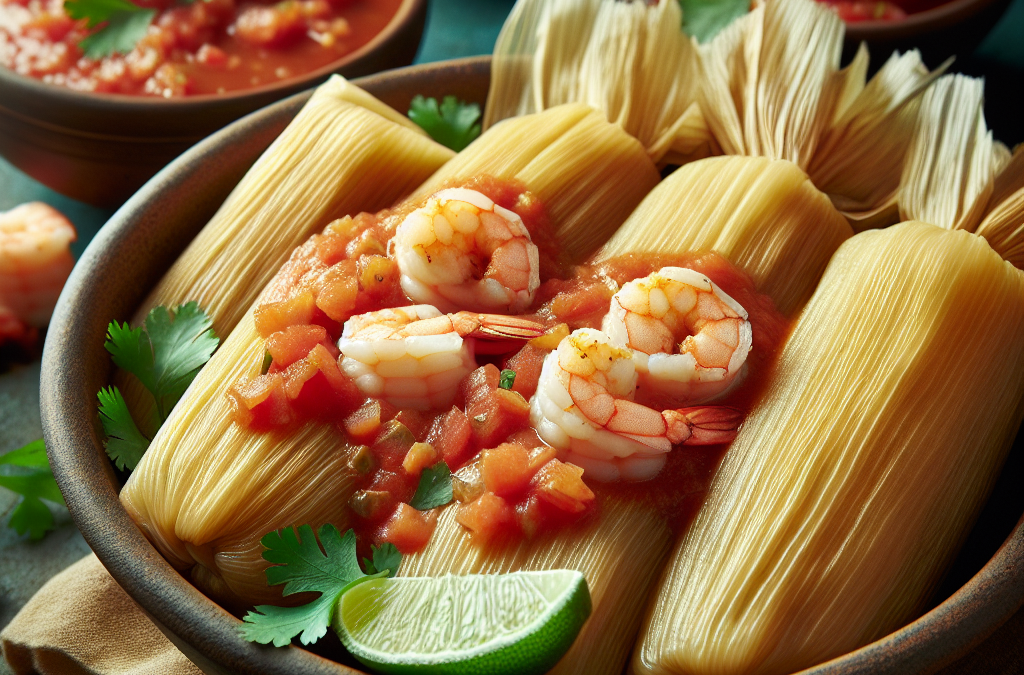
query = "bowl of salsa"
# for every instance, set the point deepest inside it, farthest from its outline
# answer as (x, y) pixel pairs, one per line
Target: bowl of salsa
(96, 97)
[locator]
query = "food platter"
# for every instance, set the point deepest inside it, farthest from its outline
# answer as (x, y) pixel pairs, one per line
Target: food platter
(129, 255)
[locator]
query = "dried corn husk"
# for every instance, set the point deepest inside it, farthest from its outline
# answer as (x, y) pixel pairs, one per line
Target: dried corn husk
(626, 59)
(772, 87)
(851, 486)
(588, 173)
(208, 489)
(619, 554)
(763, 215)
(1003, 226)
(345, 152)
(953, 161)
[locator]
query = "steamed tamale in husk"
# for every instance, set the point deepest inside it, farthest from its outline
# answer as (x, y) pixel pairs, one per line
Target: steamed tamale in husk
(345, 152)
(762, 215)
(588, 173)
(626, 59)
(620, 556)
(851, 486)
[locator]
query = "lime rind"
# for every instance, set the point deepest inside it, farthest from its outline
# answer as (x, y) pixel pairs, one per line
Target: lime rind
(531, 648)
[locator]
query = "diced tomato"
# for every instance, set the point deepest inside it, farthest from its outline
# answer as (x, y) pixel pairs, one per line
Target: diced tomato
(505, 469)
(451, 435)
(397, 483)
(339, 289)
(318, 388)
(861, 10)
(488, 517)
(261, 403)
(377, 273)
(276, 316)
(392, 444)
(372, 504)
(293, 343)
(365, 423)
(477, 385)
(499, 415)
(527, 363)
(419, 457)
(408, 529)
(415, 421)
(562, 485)
(330, 247)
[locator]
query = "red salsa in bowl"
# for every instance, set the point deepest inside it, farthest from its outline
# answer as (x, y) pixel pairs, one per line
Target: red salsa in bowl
(174, 48)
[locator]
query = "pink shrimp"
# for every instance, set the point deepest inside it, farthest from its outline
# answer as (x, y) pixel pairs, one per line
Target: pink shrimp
(584, 407)
(35, 261)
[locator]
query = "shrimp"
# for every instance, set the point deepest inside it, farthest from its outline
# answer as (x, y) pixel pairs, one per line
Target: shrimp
(462, 251)
(415, 357)
(35, 260)
(689, 339)
(584, 407)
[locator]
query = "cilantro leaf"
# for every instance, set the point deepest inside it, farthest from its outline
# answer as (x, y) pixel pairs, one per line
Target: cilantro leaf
(703, 19)
(33, 480)
(385, 558)
(452, 124)
(435, 488)
(126, 24)
(168, 354)
(302, 566)
(507, 379)
(125, 444)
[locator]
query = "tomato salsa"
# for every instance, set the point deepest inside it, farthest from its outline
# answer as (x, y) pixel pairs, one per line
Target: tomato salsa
(191, 47)
(507, 482)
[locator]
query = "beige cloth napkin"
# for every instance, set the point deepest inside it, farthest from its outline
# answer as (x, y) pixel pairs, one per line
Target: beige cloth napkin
(82, 623)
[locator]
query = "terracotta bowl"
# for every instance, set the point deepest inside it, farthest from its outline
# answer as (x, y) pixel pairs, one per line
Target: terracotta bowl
(101, 148)
(139, 243)
(955, 28)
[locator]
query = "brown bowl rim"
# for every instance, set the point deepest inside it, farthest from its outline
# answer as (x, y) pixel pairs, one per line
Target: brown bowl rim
(206, 631)
(940, 16)
(406, 12)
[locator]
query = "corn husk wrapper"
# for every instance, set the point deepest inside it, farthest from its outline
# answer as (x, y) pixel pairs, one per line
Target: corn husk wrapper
(1003, 226)
(588, 173)
(207, 489)
(763, 215)
(626, 59)
(851, 486)
(619, 554)
(345, 152)
(772, 87)
(953, 161)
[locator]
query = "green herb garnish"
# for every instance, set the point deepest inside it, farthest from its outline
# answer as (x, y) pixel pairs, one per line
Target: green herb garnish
(434, 489)
(33, 480)
(703, 19)
(383, 558)
(452, 124)
(303, 566)
(267, 360)
(126, 24)
(507, 379)
(125, 443)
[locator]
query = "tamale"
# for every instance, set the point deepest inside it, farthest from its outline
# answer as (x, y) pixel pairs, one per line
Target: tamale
(208, 489)
(619, 554)
(364, 155)
(771, 87)
(626, 59)
(588, 173)
(763, 215)
(851, 486)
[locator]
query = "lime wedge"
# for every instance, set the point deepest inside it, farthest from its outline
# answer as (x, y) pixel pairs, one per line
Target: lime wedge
(480, 624)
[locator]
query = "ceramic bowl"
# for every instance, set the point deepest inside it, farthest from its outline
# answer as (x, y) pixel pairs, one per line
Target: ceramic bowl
(139, 243)
(101, 148)
(954, 28)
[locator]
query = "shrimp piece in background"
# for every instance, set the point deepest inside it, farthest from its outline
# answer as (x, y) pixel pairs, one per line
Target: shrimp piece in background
(35, 260)
(690, 340)
(462, 251)
(415, 357)
(584, 407)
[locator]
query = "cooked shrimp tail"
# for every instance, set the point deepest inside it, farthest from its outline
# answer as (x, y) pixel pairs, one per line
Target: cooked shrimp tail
(703, 425)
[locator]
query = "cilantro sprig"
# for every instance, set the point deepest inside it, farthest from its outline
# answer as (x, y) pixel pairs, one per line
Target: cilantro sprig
(434, 489)
(453, 123)
(26, 471)
(165, 356)
(125, 24)
(329, 567)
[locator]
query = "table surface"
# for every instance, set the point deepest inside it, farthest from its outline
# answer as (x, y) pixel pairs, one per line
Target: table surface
(455, 28)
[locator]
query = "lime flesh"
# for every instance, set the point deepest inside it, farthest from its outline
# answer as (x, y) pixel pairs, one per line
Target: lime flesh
(480, 624)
